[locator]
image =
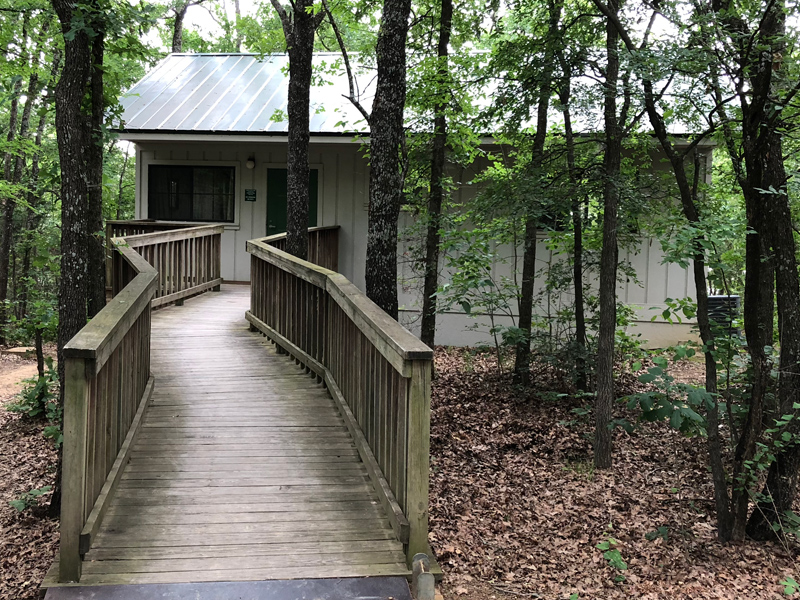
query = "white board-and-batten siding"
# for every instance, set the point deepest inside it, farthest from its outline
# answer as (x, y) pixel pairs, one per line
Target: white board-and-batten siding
(343, 201)
(343, 194)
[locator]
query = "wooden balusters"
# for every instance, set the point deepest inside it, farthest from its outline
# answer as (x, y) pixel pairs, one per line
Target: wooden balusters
(379, 374)
(323, 245)
(108, 381)
(187, 260)
(107, 386)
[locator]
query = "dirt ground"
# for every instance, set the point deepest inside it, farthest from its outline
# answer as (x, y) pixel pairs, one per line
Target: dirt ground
(28, 540)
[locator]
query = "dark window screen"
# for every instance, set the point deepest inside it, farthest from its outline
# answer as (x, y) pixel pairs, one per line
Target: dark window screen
(178, 193)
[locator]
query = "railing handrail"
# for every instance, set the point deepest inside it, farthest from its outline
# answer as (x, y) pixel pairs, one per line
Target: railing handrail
(158, 237)
(399, 344)
(282, 236)
(100, 336)
(376, 371)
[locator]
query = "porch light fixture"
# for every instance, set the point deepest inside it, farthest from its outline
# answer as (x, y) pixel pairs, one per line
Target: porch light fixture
(251, 163)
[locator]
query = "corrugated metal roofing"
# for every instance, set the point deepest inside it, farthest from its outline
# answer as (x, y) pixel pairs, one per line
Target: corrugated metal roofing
(234, 93)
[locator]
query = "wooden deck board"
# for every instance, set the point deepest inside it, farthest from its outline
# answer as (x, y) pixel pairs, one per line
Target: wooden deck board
(243, 469)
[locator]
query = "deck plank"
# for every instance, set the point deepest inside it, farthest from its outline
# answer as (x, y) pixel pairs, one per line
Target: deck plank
(243, 470)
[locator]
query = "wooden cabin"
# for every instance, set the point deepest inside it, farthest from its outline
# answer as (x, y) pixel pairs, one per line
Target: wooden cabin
(210, 133)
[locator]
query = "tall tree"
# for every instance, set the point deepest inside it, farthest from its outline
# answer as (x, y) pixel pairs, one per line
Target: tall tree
(763, 91)
(565, 99)
(436, 194)
(179, 14)
(604, 399)
(74, 146)
(299, 26)
(522, 362)
(386, 139)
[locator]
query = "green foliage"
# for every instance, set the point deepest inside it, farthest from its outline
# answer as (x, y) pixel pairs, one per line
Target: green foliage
(659, 532)
(39, 400)
(29, 499)
(613, 556)
(680, 404)
(790, 586)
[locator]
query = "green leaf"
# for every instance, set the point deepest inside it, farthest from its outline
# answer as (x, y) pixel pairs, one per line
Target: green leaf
(790, 586)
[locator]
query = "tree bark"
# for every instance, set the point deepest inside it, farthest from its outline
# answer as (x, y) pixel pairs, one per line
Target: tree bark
(237, 11)
(609, 255)
(436, 195)
(177, 27)
(73, 149)
(121, 185)
(565, 94)
(95, 239)
(298, 29)
(386, 139)
(768, 184)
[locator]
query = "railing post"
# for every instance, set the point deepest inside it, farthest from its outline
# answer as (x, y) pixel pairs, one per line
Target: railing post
(73, 467)
(216, 258)
(419, 446)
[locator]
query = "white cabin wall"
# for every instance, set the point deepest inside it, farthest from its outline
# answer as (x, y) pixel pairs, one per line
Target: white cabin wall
(344, 193)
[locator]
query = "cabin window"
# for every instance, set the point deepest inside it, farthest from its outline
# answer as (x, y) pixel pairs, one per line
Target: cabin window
(184, 193)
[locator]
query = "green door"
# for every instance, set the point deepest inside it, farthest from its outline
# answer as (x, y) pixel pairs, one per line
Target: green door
(276, 200)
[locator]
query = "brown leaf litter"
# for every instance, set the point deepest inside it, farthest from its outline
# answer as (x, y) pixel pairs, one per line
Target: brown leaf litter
(517, 509)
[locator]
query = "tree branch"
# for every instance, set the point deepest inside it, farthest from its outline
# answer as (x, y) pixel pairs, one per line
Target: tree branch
(350, 79)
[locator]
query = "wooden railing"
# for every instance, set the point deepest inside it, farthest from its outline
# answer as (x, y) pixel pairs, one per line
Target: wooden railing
(108, 383)
(323, 245)
(115, 229)
(106, 389)
(187, 261)
(378, 373)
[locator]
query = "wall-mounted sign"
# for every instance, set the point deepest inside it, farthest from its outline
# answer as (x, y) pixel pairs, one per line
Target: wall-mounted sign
(249, 195)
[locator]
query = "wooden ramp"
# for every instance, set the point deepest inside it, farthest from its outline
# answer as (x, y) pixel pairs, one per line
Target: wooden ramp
(243, 469)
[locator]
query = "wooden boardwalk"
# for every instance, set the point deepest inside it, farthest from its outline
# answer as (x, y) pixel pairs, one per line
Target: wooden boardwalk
(243, 469)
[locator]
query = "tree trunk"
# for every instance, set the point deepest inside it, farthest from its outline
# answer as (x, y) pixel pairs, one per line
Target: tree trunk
(298, 172)
(436, 195)
(522, 360)
(121, 184)
(609, 254)
(298, 29)
(177, 27)
(95, 239)
(73, 149)
(237, 11)
(577, 257)
(386, 139)
(768, 162)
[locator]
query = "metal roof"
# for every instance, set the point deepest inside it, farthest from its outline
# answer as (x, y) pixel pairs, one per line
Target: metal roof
(235, 93)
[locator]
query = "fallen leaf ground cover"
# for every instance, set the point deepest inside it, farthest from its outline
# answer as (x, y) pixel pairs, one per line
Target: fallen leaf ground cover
(28, 540)
(517, 509)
